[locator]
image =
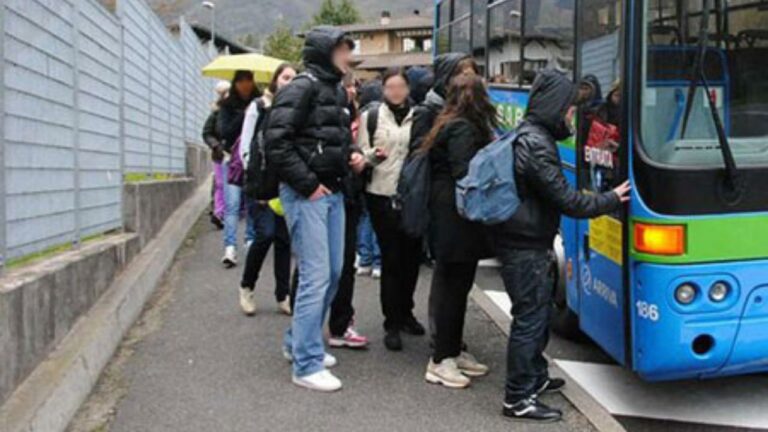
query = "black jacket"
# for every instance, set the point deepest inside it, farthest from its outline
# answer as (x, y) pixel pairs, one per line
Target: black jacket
(210, 134)
(543, 189)
(454, 239)
(231, 116)
(308, 135)
(425, 114)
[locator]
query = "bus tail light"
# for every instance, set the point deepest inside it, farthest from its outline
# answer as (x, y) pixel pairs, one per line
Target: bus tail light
(660, 239)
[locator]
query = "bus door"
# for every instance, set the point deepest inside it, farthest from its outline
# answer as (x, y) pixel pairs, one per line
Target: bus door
(600, 160)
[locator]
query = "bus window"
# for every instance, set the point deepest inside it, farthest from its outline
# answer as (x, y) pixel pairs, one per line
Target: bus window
(444, 13)
(682, 131)
(479, 30)
(504, 39)
(599, 117)
(549, 36)
(460, 35)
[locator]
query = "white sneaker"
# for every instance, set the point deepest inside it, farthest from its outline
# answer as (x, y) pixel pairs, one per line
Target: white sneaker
(329, 361)
(364, 271)
(284, 306)
(376, 273)
(248, 301)
(469, 366)
(323, 381)
(230, 257)
(446, 373)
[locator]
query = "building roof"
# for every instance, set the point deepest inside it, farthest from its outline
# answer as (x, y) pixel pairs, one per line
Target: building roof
(415, 22)
(384, 61)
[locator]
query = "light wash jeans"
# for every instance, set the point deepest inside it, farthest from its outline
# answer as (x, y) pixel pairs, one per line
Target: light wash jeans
(367, 243)
(317, 240)
(233, 208)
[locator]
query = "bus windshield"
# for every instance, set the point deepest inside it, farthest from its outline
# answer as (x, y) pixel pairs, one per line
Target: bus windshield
(679, 132)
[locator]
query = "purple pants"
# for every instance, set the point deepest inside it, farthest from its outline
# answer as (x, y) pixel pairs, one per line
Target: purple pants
(219, 204)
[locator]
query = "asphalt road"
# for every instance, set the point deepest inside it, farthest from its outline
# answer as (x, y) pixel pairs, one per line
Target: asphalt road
(194, 363)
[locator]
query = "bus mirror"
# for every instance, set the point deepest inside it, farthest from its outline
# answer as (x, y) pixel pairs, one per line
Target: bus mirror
(660, 239)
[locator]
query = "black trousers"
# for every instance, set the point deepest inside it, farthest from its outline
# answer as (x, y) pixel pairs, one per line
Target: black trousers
(342, 312)
(529, 283)
(270, 229)
(451, 284)
(400, 261)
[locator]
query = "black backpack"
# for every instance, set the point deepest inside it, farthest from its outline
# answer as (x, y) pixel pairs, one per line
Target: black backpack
(261, 182)
(413, 189)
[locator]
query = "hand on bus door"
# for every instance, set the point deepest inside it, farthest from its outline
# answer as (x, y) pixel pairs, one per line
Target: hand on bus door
(622, 191)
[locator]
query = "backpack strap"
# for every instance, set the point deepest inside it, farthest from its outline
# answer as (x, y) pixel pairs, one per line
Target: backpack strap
(373, 121)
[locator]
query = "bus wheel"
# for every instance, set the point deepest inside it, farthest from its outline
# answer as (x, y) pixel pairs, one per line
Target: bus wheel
(564, 321)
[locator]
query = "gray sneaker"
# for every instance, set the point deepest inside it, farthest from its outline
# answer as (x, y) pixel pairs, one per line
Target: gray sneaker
(446, 373)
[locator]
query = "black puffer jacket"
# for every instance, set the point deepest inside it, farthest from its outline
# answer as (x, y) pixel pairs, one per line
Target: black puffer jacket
(425, 113)
(544, 191)
(308, 135)
(229, 123)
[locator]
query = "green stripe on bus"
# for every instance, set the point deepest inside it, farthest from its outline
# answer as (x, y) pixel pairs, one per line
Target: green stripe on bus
(719, 239)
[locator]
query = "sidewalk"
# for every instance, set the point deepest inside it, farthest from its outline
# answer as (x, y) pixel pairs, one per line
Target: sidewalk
(194, 363)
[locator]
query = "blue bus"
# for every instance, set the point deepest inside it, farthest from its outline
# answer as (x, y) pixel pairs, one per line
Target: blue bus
(675, 285)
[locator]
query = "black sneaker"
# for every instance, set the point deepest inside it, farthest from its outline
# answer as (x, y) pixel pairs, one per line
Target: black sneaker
(550, 385)
(531, 410)
(392, 340)
(217, 222)
(413, 327)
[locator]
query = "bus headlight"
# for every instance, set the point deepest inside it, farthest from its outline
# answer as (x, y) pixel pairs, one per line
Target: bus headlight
(718, 291)
(685, 294)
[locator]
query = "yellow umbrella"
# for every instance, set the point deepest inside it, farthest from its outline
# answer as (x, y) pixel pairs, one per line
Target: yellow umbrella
(224, 67)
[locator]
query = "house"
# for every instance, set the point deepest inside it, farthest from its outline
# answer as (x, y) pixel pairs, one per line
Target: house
(404, 41)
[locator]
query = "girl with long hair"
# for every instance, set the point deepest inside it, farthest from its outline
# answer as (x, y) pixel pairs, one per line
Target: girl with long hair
(269, 227)
(465, 126)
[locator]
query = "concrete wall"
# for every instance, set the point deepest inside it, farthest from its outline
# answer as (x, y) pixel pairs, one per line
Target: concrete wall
(40, 304)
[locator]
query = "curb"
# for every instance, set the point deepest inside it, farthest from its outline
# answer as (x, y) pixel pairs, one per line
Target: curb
(52, 394)
(598, 416)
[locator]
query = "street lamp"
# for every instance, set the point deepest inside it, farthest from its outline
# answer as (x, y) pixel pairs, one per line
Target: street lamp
(212, 6)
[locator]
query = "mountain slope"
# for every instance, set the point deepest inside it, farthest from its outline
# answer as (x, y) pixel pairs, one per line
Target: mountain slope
(235, 18)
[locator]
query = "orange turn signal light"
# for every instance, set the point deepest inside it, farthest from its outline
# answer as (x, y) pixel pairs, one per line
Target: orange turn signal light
(660, 239)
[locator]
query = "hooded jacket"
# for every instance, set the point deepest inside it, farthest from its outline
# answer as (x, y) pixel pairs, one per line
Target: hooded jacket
(597, 91)
(544, 192)
(426, 112)
(308, 135)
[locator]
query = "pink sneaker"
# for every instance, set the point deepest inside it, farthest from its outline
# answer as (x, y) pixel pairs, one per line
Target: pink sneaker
(351, 339)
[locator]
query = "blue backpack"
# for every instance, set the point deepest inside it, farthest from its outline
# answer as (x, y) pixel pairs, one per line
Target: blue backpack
(488, 193)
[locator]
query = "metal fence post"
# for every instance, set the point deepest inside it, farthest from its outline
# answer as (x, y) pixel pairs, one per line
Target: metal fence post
(3, 226)
(121, 97)
(76, 129)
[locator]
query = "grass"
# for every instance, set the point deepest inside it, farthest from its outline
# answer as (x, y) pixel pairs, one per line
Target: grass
(50, 252)
(138, 177)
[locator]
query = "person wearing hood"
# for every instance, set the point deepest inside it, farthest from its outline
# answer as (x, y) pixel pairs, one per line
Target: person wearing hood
(447, 67)
(308, 142)
(590, 92)
(524, 243)
(230, 125)
(420, 80)
(270, 228)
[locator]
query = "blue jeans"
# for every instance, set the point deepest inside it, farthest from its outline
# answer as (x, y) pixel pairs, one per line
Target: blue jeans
(233, 203)
(367, 244)
(317, 239)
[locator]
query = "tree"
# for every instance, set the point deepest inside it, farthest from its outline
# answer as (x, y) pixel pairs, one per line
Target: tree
(283, 44)
(250, 40)
(331, 13)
